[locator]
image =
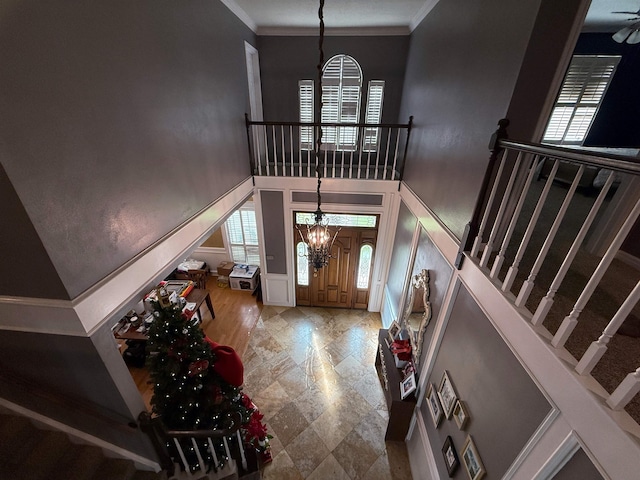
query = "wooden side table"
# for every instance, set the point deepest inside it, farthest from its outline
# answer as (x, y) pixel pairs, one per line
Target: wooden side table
(400, 411)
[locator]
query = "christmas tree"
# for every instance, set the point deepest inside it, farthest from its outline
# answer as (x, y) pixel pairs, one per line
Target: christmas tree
(188, 392)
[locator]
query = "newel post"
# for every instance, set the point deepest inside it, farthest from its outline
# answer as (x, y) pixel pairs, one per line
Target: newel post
(149, 425)
(471, 229)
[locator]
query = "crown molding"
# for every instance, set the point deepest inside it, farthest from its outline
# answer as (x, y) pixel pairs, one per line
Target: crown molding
(334, 32)
(422, 13)
(241, 14)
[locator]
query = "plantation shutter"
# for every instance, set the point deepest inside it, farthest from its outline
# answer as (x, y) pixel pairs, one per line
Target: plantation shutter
(305, 92)
(373, 114)
(242, 234)
(341, 90)
(581, 94)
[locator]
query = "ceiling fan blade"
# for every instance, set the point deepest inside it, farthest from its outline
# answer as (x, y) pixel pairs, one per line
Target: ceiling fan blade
(630, 13)
(634, 37)
(621, 35)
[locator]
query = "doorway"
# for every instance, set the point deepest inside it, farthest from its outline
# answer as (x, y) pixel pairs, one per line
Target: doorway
(346, 280)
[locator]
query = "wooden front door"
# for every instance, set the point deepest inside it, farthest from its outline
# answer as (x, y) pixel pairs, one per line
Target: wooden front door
(336, 285)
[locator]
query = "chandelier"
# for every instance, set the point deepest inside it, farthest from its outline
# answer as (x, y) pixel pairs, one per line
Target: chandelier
(630, 33)
(319, 239)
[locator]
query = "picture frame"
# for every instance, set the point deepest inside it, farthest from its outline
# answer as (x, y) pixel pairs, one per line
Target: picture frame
(471, 459)
(447, 395)
(460, 414)
(394, 330)
(407, 385)
(450, 456)
(435, 409)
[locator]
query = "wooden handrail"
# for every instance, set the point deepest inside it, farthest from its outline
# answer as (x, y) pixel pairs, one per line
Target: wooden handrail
(619, 163)
(328, 124)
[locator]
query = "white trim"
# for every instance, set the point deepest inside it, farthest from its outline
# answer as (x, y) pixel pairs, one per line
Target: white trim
(565, 451)
(83, 437)
(334, 31)
(86, 313)
(533, 441)
(423, 444)
(254, 83)
(241, 14)
(422, 13)
(443, 239)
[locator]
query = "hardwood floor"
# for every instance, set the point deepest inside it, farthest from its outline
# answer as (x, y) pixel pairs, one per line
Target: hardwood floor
(237, 313)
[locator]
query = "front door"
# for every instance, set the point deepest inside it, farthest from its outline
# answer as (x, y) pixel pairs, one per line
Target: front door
(344, 282)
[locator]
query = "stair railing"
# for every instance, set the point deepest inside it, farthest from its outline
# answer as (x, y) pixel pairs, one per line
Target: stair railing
(489, 240)
(349, 150)
(200, 452)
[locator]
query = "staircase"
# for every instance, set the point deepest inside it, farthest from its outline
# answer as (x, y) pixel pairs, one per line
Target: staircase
(30, 453)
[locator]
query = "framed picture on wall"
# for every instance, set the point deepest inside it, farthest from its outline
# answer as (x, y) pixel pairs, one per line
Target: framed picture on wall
(460, 414)
(471, 460)
(450, 456)
(447, 395)
(434, 405)
(394, 330)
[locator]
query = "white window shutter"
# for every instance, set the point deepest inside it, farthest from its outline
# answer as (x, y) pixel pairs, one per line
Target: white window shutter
(305, 92)
(584, 86)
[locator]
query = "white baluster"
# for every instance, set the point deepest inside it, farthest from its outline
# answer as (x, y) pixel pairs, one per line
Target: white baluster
(627, 389)
(513, 269)
(182, 457)
(497, 263)
(386, 157)
(395, 156)
(527, 286)
(598, 348)
(475, 249)
(203, 467)
(571, 320)
(547, 302)
(212, 449)
(241, 446)
(275, 151)
(226, 447)
(266, 149)
(488, 248)
(291, 147)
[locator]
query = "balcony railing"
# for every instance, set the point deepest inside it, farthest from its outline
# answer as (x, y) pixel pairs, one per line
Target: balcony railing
(353, 150)
(532, 233)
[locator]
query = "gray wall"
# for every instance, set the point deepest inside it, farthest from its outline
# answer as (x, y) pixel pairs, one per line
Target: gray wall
(120, 121)
(579, 467)
(469, 65)
(274, 231)
(427, 256)
(504, 404)
(286, 60)
(401, 256)
(73, 368)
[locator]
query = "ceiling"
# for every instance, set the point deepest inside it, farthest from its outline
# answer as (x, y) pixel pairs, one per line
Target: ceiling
(392, 17)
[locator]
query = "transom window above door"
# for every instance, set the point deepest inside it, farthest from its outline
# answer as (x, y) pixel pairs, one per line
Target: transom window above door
(339, 219)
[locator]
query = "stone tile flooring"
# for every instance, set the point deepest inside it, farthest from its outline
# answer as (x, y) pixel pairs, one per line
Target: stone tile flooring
(311, 372)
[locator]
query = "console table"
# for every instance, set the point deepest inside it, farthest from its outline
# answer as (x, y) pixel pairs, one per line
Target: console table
(400, 411)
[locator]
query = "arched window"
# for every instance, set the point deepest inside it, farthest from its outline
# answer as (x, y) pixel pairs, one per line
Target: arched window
(302, 264)
(341, 100)
(364, 266)
(341, 91)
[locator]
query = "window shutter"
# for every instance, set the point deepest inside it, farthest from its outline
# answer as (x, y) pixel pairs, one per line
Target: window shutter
(581, 94)
(373, 114)
(242, 234)
(305, 92)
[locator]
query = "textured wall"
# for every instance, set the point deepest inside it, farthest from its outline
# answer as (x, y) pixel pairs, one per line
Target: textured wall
(504, 404)
(427, 256)
(120, 121)
(464, 73)
(274, 231)
(580, 466)
(286, 60)
(401, 256)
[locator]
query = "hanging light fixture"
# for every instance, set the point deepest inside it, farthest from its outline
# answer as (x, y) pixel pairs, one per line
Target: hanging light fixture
(319, 239)
(630, 33)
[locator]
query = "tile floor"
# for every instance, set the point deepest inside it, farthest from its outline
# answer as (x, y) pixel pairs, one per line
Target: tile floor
(311, 372)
